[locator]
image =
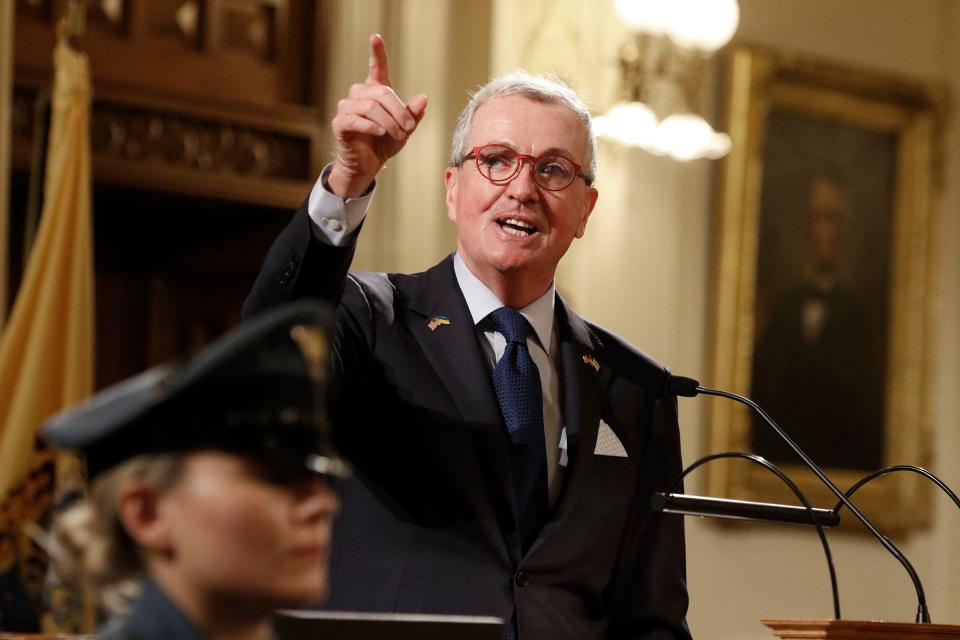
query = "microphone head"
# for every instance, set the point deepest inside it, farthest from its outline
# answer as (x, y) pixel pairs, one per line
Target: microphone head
(658, 501)
(681, 386)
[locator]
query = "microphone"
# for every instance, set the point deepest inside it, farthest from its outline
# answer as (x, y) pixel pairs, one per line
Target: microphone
(689, 388)
(680, 386)
(742, 510)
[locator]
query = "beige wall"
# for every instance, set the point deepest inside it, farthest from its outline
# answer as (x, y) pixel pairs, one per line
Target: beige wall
(643, 268)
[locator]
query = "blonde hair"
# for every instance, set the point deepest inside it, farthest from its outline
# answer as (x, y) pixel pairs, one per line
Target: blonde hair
(94, 542)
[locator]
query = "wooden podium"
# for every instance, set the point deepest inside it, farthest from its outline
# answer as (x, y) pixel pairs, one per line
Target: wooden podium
(856, 630)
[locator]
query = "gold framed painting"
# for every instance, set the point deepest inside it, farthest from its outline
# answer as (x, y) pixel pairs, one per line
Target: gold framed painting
(824, 284)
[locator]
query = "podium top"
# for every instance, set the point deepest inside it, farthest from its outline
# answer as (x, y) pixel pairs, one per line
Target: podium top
(344, 625)
(860, 630)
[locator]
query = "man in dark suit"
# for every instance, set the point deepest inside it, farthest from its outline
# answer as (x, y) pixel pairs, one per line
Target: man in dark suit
(506, 449)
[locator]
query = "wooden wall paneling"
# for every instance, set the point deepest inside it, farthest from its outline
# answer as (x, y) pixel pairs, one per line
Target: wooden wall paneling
(249, 28)
(187, 103)
(41, 10)
(188, 155)
(317, 53)
(297, 73)
(112, 16)
(206, 131)
(121, 310)
(259, 156)
(221, 50)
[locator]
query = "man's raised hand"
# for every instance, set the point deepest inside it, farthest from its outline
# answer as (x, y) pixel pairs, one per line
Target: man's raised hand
(372, 124)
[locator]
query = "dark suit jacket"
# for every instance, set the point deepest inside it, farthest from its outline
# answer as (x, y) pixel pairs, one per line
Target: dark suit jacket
(429, 526)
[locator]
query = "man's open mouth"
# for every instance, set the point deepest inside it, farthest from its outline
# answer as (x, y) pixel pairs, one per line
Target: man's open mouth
(516, 227)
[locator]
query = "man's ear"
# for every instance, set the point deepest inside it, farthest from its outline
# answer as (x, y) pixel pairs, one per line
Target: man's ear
(451, 179)
(589, 203)
(139, 512)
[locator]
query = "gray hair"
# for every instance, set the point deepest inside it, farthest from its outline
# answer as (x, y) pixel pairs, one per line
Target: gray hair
(547, 89)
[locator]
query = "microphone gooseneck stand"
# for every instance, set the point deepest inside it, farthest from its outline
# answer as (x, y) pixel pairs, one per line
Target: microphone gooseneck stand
(691, 388)
(742, 510)
(900, 467)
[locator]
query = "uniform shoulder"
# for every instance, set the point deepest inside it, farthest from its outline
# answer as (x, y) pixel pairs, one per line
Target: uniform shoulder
(115, 629)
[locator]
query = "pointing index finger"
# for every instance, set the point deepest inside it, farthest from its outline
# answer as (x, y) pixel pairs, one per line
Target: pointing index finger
(378, 73)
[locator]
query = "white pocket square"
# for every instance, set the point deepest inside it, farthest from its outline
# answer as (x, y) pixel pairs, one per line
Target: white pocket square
(608, 444)
(563, 448)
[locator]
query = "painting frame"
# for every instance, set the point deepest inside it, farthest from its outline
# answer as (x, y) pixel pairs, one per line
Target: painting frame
(761, 85)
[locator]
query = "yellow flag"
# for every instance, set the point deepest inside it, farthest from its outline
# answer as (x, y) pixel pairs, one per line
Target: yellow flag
(46, 349)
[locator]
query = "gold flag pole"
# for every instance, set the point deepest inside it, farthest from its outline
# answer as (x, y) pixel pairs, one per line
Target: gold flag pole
(74, 23)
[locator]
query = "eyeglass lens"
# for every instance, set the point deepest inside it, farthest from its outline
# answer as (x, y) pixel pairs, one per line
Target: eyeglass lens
(500, 164)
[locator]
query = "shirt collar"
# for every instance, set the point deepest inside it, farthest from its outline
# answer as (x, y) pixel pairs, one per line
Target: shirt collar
(482, 302)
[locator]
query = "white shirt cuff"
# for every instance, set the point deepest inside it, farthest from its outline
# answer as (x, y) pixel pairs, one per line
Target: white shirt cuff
(334, 219)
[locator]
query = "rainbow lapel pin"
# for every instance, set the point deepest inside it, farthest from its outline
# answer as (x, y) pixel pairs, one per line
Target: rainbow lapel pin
(590, 360)
(436, 321)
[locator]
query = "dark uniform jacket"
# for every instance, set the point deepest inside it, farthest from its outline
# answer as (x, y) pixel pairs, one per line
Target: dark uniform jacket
(429, 524)
(152, 617)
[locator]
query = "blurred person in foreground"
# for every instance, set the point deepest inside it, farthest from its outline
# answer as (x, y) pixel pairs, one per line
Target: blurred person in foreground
(209, 505)
(506, 449)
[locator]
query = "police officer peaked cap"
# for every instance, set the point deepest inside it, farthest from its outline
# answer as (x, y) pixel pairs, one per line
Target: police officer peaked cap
(260, 390)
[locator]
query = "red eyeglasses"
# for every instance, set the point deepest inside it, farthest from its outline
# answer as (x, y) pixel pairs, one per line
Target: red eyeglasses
(500, 164)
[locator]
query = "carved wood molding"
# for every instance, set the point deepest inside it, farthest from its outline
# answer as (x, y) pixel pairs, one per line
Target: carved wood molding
(270, 160)
(210, 99)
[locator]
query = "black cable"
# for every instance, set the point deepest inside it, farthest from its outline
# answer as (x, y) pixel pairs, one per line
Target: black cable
(900, 467)
(923, 614)
(796, 490)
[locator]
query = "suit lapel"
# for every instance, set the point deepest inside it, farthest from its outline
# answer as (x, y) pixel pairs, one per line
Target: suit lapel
(455, 354)
(452, 348)
(584, 389)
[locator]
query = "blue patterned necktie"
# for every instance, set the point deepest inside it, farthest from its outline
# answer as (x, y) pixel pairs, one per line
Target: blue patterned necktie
(517, 383)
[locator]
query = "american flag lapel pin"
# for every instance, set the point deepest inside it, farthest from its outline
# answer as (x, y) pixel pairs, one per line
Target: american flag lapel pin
(590, 360)
(436, 321)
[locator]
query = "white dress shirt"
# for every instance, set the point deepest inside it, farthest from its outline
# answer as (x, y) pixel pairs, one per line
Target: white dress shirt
(335, 221)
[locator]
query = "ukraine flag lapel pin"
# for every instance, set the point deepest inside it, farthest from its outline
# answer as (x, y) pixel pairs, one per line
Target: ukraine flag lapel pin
(436, 321)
